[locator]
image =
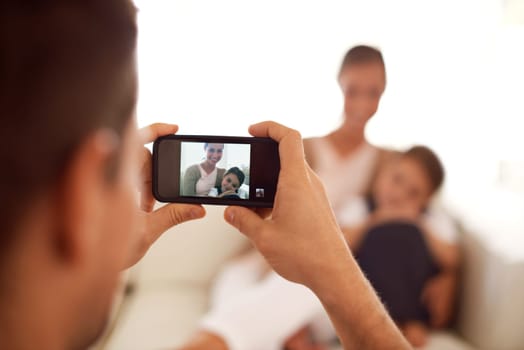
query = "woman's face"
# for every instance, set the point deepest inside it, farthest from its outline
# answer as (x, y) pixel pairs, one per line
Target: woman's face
(214, 153)
(230, 182)
(362, 85)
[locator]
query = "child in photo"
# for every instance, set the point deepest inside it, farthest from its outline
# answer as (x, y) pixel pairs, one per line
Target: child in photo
(231, 182)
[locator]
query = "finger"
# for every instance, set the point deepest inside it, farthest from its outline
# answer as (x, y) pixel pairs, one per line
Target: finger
(245, 220)
(147, 201)
(290, 143)
(173, 214)
(263, 212)
(151, 132)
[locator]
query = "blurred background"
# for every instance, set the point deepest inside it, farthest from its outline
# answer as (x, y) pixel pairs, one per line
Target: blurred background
(455, 73)
(455, 80)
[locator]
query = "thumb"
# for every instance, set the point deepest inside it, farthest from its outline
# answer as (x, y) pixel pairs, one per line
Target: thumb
(173, 214)
(245, 220)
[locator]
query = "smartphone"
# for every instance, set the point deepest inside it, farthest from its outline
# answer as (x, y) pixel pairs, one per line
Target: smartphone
(221, 170)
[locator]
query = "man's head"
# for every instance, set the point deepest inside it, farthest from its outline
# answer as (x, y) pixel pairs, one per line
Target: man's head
(362, 78)
(67, 147)
(233, 179)
(410, 180)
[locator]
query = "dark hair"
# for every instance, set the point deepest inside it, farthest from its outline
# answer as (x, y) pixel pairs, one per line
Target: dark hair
(207, 144)
(66, 70)
(239, 174)
(362, 54)
(430, 162)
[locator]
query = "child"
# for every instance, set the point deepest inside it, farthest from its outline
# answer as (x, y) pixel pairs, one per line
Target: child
(231, 182)
(408, 258)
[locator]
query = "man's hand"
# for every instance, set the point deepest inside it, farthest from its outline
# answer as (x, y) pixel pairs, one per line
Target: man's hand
(303, 243)
(301, 240)
(154, 223)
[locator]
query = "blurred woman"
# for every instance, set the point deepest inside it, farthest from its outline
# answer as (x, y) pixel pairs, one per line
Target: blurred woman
(253, 307)
(344, 159)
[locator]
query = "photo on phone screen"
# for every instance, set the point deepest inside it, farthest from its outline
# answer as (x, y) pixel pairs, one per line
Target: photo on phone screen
(215, 170)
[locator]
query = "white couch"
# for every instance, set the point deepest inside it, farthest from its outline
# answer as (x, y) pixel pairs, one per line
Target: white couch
(171, 287)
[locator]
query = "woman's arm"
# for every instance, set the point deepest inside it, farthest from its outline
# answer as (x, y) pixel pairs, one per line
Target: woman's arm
(447, 255)
(190, 179)
(220, 176)
(439, 295)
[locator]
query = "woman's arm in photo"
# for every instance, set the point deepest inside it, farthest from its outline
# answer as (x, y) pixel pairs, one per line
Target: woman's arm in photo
(191, 177)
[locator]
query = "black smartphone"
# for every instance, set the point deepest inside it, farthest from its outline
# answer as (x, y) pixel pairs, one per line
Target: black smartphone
(222, 170)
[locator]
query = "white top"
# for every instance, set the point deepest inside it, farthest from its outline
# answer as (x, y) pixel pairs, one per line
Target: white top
(355, 212)
(347, 176)
(206, 181)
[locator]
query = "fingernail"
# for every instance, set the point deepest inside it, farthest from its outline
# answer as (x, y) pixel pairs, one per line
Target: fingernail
(195, 213)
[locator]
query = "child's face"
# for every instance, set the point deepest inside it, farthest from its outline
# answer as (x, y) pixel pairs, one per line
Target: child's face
(230, 182)
(403, 185)
(362, 86)
(214, 152)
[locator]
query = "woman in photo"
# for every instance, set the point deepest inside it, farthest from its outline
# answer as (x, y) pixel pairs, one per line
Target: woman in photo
(200, 178)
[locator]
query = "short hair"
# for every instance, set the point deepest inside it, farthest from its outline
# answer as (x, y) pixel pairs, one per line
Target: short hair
(362, 54)
(430, 162)
(67, 69)
(239, 174)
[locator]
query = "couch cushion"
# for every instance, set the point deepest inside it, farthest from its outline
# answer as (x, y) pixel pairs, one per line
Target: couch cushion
(158, 316)
(164, 316)
(492, 303)
(192, 252)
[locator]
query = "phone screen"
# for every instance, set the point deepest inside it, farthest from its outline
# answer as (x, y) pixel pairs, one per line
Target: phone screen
(215, 170)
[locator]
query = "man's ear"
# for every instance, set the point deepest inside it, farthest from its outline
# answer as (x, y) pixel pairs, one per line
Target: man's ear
(81, 196)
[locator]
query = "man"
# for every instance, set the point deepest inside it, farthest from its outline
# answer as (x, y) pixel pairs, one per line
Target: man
(70, 153)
